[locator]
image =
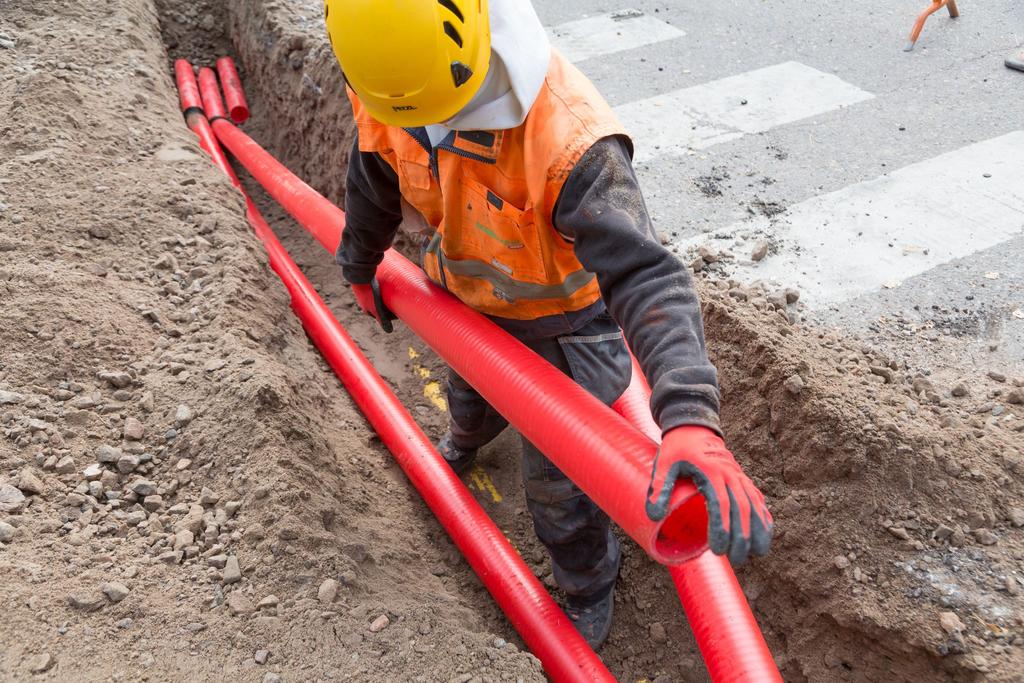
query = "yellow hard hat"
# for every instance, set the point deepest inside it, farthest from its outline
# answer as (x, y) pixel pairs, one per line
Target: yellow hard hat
(411, 62)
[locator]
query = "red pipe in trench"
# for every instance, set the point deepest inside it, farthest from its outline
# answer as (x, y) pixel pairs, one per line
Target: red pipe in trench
(233, 93)
(594, 446)
(544, 627)
(726, 631)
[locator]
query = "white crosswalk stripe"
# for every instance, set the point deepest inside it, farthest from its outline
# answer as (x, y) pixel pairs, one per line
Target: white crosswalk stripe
(610, 33)
(883, 231)
(726, 109)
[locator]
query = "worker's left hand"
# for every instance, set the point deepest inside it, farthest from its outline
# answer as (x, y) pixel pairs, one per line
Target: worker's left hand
(368, 298)
(738, 519)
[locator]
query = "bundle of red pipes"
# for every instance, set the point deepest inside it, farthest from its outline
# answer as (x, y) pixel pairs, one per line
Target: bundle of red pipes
(552, 411)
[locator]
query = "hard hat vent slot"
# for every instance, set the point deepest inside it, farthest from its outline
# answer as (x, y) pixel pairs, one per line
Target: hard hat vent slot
(461, 73)
(453, 8)
(453, 33)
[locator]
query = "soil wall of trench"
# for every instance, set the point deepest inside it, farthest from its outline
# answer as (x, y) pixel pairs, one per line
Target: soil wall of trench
(894, 504)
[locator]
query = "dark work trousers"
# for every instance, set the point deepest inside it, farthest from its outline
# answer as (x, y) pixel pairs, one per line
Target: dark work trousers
(584, 552)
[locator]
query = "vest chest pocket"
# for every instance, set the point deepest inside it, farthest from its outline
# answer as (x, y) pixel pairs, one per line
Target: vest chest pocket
(495, 233)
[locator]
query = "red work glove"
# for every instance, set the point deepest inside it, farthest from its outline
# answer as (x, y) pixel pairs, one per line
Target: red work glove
(368, 298)
(738, 519)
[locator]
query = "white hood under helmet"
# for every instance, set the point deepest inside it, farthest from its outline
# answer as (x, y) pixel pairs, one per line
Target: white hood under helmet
(520, 53)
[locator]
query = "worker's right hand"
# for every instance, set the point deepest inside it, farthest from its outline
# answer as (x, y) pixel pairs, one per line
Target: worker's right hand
(368, 298)
(739, 523)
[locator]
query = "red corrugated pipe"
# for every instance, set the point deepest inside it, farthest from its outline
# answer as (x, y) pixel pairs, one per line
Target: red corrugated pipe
(544, 627)
(590, 443)
(727, 634)
(233, 92)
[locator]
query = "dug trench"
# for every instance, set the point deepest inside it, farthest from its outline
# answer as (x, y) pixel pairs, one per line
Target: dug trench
(189, 494)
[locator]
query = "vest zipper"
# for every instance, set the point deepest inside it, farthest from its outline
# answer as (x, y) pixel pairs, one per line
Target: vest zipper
(435, 168)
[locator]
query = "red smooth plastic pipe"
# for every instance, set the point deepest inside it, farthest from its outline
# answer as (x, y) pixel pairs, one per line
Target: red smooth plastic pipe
(233, 92)
(727, 634)
(549, 634)
(595, 447)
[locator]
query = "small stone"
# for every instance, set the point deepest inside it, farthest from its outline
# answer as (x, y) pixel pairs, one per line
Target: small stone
(1015, 397)
(11, 499)
(183, 539)
(942, 532)
(217, 561)
(39, 664)
(960, 390)
(127, 463)
(118, 380)
(794, 384)
(115, 592)
(268, 602)
(133, 429)
(7, 532)
(153, 503)
(65, 465)
(143, 487)
(232, 572)
(1016, 516)
(883, 372)
(87, 601)
(380, 623)
(840, 562)
(658, 633)
(29, 483)
(760, 250)
(271, 678)
(996, 376)
(214, 365)
(208, 498)
(183, 415)
(124, 623)
(261, 656)
(985, 536)
(708, 255)
(108, 454)
(327, 592)
(792, 295)
(950, 623)
(899, 533)
(239, 604)
(10, 398)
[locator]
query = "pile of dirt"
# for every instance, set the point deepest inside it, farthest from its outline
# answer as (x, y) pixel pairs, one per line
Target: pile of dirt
(187, 493)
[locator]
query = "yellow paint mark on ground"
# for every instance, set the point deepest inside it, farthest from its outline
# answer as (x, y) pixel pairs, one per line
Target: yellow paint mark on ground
(413, 354)
(482, 482)
(432, 390)
(422, 372)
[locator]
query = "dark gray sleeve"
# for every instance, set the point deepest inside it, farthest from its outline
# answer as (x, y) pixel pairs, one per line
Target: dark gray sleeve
(646, 289)
(373, 212)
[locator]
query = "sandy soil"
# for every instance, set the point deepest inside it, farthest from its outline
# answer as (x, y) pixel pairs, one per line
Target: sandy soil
(186, 493)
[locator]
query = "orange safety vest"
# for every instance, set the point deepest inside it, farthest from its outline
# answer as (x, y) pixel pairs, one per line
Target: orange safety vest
(490, 196)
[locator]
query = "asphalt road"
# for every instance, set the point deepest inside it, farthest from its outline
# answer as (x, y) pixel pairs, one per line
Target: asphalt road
(889, 184)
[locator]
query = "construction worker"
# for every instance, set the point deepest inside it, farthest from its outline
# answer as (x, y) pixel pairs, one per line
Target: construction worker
(523, 177)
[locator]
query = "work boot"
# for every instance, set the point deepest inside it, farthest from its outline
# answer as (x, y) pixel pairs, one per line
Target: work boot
(459, 459)
(592, 619)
